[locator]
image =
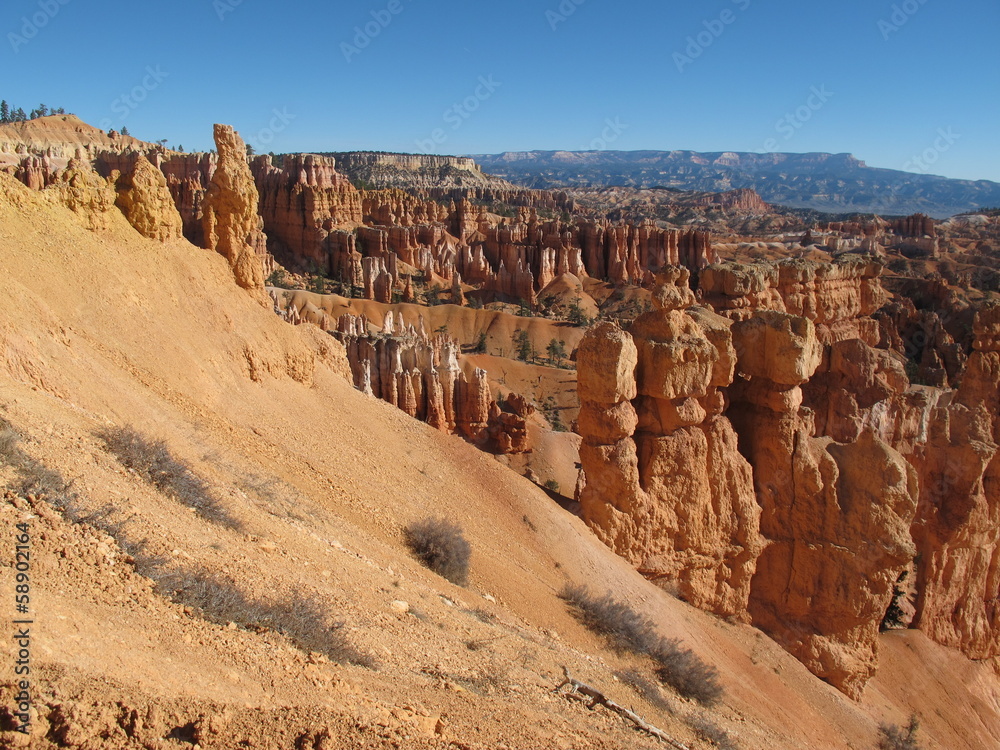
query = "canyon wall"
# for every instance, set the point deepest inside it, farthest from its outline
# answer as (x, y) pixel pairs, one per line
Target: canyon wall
(316, 221)
(760, 445)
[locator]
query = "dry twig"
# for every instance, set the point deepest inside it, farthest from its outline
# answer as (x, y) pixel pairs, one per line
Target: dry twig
(583, 691)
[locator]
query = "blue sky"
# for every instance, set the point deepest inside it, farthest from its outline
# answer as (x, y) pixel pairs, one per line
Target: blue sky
(901, 84)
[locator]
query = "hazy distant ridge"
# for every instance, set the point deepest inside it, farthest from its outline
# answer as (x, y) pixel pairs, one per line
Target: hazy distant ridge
(827, 182)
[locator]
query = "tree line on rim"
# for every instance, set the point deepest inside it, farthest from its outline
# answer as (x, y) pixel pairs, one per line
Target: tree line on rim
(17, 115)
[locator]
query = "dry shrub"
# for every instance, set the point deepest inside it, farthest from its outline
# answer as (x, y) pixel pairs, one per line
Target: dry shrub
(644, 687)
(152, 460)
(687, 673)
(300, 617)
(483, 615)
(8, 444)
(626, 630)
(441, 546)
(621, 626)
(39, 479)
(708, 730)
(34, 477)
(892, 737)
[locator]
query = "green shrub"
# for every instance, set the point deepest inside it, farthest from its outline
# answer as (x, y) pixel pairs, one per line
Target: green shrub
(278, 278)
(576, 315)
(895, 615)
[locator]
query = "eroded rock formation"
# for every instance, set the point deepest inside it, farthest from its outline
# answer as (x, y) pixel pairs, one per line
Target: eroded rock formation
(837, 297)
(836, 516)
(958, 525)
(421, 376)
(83, 191)
(855, 471)
(145, 200)
(232, 225)
(666, 486)
(303, 202)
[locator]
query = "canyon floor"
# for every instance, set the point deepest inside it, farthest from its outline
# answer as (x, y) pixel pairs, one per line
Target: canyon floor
(316, 482)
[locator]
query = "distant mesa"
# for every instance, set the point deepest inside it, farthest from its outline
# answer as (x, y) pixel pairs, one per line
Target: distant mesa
(835, 183)
(379, 170)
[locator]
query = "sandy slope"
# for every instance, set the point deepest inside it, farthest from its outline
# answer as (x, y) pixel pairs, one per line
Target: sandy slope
(112, 329)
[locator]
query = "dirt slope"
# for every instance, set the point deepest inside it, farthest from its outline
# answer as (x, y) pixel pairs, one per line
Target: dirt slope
(64, 134)
(110, 329)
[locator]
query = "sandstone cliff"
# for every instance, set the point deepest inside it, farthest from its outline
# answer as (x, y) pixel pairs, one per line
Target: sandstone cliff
(958, 524)
(302, 203)
(836, 516)
(61, 136)
(837, 297)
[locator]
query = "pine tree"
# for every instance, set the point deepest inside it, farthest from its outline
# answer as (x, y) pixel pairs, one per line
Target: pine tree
(557, 352)
(4, 111)
(42, 110)
(125, 131)
(522, 346)
(480, 347)
(18, 115)
(576, 315)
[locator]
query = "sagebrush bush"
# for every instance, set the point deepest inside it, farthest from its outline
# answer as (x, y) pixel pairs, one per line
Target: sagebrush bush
(152, 460)
(687, 673)
(892, 737)
(300, 617)
(644, 687)
(8, 443)
(626, 630)
(622, 627)
(34, 477)
(708, 730)
(441, 546)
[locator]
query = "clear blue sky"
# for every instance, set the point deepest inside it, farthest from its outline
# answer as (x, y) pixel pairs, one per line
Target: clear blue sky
(556, 78)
